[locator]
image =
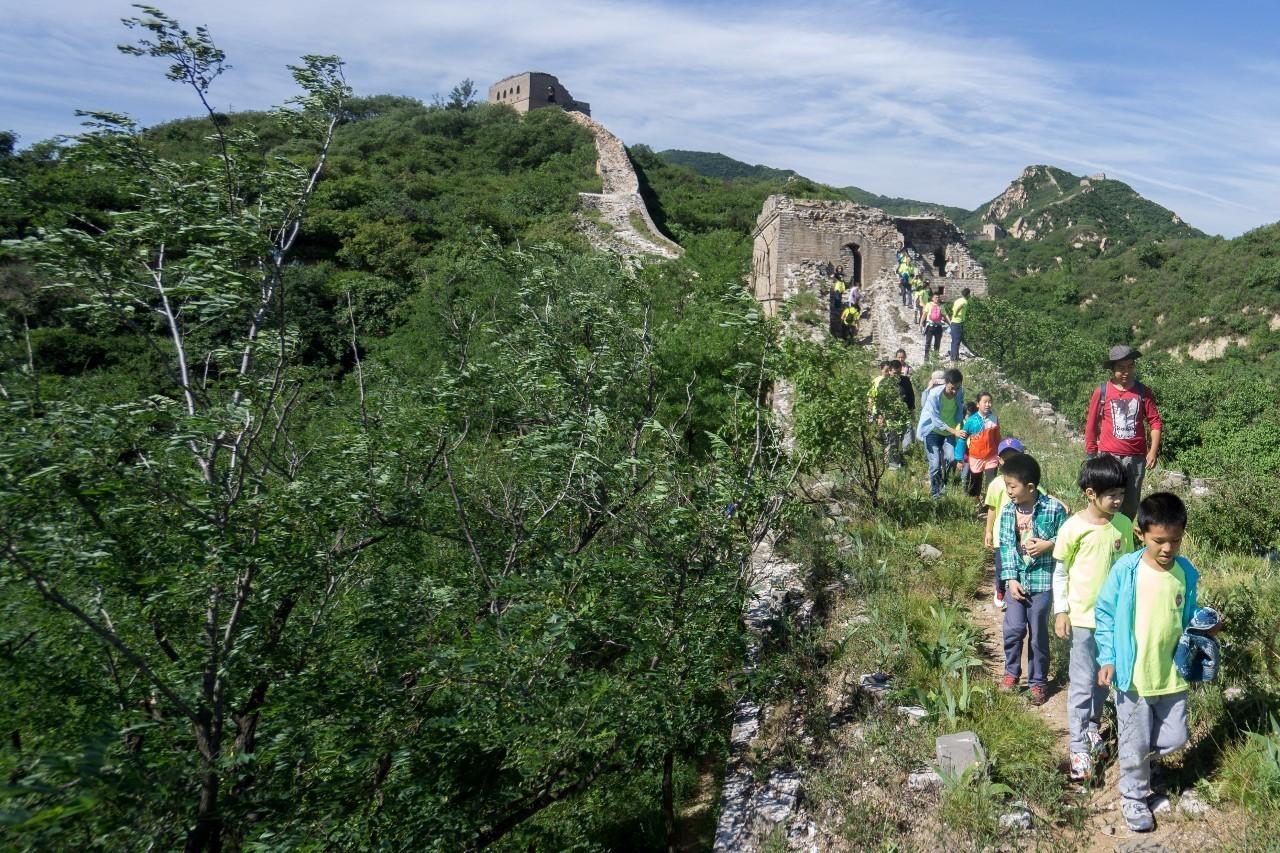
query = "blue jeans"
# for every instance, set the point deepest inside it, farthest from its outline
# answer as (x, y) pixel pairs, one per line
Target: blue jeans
(957, 335)
(940, 450)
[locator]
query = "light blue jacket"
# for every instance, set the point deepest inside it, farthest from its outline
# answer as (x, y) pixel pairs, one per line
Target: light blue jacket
(1114, 614)
(931, 411)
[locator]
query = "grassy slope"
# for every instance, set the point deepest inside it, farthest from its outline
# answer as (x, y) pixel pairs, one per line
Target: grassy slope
(858, 779)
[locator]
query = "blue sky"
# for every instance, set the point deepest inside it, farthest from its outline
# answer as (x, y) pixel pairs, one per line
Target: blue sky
(941, 101)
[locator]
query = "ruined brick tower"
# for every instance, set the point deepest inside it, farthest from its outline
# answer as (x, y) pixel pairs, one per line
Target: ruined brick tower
(532, 90)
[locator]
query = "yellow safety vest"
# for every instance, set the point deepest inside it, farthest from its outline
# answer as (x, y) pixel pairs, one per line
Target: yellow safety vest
(850, 316)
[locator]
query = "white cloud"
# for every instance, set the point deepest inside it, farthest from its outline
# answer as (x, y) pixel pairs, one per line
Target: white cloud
(872, 93)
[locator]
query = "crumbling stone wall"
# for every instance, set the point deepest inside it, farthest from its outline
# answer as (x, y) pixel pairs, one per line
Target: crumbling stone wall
(628, 229)
(533, 90)
(790, 232)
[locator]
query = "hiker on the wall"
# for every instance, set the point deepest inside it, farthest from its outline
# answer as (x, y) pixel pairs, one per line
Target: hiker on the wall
(1121, 411)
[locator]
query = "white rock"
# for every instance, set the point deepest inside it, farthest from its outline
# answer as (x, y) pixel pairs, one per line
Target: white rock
(928, 552)
(1191, 805)
(924, 780)
(1160, 804)
(914, 714)
(1019, 817)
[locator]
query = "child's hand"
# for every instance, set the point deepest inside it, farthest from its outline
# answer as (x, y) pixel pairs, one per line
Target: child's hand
(1062, 626)
(1015, 589)
(1105, 674)
(1036, 546)
(986, 539)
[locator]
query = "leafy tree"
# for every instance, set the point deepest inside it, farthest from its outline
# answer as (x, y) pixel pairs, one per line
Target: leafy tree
(139, 520)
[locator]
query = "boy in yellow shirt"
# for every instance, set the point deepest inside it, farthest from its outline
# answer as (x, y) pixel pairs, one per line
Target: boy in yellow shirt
(1087, 545)
(1145, 605)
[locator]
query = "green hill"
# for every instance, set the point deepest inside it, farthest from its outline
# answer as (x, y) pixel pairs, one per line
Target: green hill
(904, 206)
(712, 165)
(1052, 218)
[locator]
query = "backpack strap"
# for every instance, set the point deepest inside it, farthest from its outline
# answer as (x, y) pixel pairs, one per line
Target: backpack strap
(1102, 398)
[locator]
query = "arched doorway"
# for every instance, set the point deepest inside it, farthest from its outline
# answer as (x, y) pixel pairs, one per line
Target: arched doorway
(940, 262)
(851, 260)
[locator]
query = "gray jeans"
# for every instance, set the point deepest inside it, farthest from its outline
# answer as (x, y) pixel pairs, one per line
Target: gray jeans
(1150, 727)
(1084, 697)
(1135, 470)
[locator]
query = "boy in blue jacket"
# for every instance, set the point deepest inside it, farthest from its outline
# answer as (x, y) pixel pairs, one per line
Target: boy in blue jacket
(1143, 608)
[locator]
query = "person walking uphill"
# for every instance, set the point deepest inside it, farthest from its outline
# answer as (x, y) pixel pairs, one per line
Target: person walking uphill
(1028, 527)
(935, 320)
(939, 426)
(959, 309)
(1120, 412)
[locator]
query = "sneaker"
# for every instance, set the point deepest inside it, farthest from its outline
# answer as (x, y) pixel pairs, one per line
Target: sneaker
(1137, 816)
(1081, 766)
(1097, 744)
(1039, 695)
(1009, 682)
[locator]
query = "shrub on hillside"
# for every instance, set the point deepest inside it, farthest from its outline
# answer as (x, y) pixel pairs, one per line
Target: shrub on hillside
(1242, 515)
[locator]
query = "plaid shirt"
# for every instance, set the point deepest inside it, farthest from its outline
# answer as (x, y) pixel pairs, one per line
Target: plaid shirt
(1046, 517)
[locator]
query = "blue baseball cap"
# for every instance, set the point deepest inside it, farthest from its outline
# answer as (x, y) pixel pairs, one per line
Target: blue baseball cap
(1010, 444)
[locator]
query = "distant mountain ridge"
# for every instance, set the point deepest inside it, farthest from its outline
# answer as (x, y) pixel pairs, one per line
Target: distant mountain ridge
(1040, 203)
(713, 165)
(1044, 200)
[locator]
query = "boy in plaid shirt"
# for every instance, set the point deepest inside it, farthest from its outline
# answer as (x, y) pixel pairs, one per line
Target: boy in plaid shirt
(1028, 526)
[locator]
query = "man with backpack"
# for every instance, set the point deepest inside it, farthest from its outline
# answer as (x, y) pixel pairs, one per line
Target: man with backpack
(1121, 411)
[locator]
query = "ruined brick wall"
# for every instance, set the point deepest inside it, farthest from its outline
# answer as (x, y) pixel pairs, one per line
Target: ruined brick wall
(530, 91)
(791, 232)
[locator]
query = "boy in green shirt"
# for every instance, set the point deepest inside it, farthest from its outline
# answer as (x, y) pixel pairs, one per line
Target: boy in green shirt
(1087, 545)
(1145, 604)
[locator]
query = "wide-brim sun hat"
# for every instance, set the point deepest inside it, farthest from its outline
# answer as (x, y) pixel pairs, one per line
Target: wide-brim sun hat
(1122, 352)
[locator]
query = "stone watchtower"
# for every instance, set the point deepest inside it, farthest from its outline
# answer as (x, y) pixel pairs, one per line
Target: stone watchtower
(534, 89)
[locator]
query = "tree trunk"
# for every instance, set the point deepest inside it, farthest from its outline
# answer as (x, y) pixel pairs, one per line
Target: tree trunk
(206, 835)
(669, 801)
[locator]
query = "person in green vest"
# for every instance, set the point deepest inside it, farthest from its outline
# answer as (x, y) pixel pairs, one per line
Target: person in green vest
(849, 322)
(959, 309)
(837, 304)
(904, 278)
(920, 288)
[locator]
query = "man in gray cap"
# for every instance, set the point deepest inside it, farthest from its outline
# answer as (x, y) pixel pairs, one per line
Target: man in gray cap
(1120, 412)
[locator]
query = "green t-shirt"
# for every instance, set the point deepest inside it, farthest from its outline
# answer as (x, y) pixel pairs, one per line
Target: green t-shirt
(948, 411)
(1157, 627)
(1088, 551)
(958, 309)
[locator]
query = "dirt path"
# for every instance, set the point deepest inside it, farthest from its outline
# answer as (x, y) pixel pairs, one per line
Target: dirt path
(1106, 828)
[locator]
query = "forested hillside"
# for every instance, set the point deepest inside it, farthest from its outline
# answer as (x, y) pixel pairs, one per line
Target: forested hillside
(347, 499)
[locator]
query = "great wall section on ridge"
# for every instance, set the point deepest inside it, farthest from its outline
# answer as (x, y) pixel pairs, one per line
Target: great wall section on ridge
(793, 242)
(616, 219)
